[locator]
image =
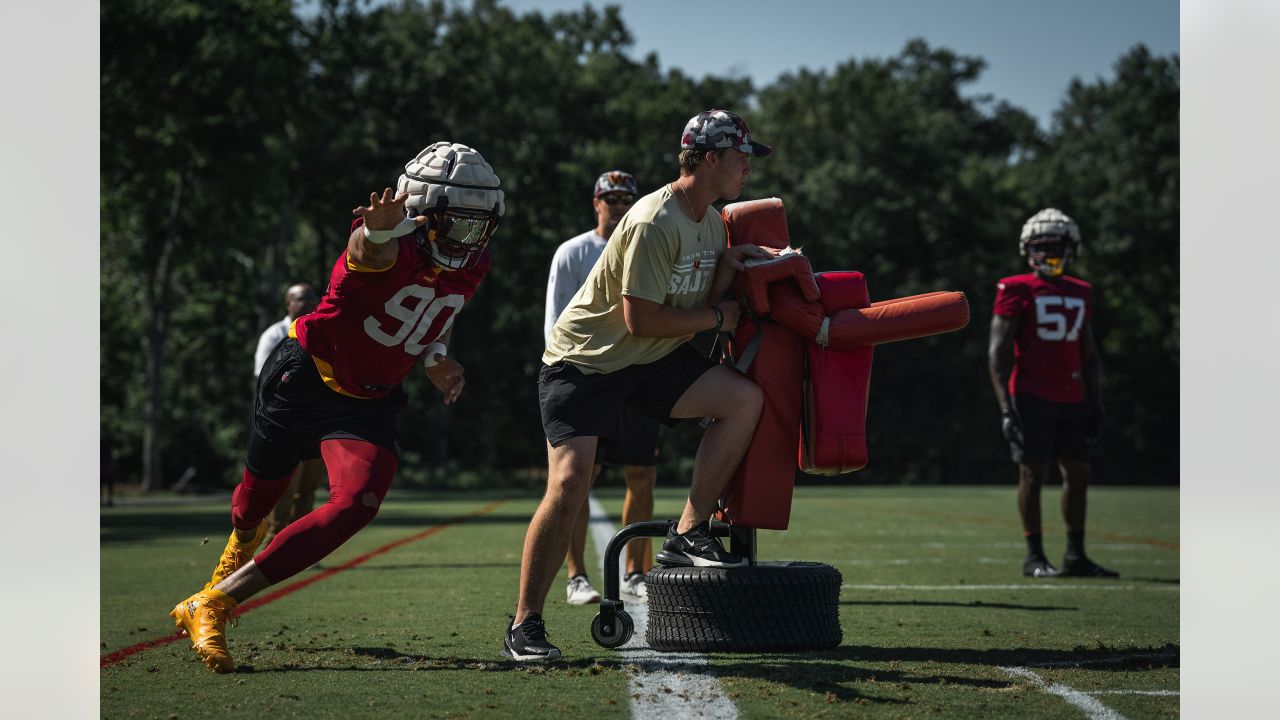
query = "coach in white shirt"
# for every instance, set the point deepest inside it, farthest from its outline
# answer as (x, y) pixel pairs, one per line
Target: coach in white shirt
(634, 445)
(299, 498)
(298, 301)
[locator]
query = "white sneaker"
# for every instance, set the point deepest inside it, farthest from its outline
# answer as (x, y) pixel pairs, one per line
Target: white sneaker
(634, 586)
(580, 591)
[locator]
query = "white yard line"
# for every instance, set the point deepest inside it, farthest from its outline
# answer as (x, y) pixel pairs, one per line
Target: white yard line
(1050, 585)
(1092, 708)
(668, 685)
(1134, 692)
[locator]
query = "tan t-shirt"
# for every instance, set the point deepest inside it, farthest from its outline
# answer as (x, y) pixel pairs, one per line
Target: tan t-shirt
(656, 253)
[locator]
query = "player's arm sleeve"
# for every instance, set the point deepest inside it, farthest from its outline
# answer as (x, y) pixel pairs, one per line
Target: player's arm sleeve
(648, 261)
(266, 341)
(1010, 299)
(561, 286)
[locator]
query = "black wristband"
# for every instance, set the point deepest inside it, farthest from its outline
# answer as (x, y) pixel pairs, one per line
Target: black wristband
(719, 318)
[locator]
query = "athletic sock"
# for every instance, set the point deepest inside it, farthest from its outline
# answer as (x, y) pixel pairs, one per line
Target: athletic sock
(1035, 543)
(1075, 544)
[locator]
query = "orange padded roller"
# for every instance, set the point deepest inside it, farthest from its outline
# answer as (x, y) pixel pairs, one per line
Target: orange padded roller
(899, 319)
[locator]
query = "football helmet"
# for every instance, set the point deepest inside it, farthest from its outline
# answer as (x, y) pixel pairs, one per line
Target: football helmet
(1050, 241)
(459, 193)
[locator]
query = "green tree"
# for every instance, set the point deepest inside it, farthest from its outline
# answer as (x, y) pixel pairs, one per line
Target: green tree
(1111, 162)
(190, 97)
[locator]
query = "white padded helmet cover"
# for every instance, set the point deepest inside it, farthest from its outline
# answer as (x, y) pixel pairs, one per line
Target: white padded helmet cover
(1050, 221)
(454, 171)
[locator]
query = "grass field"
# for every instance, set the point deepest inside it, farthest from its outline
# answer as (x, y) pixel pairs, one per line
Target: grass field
(937, 619)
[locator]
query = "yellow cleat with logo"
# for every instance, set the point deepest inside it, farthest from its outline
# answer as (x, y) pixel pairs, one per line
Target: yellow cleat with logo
(204, 618)
(236, 554)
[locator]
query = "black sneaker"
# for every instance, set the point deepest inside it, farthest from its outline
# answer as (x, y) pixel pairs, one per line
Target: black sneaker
(697, 548)
(1081, 566)
(528, 640)
(1038, 566)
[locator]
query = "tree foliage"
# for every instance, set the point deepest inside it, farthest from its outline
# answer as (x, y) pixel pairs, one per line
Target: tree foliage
(237, 136)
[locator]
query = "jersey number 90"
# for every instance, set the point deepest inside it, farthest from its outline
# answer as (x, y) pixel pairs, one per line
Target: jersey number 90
(419, 312)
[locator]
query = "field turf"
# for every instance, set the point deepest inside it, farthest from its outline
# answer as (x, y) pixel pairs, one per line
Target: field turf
(937, 619)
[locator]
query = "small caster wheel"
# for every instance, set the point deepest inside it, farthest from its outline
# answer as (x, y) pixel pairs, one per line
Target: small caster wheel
(615, 634)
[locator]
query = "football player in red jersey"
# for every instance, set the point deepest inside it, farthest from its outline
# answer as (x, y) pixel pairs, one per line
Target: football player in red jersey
(412, 260)
(1046, 372)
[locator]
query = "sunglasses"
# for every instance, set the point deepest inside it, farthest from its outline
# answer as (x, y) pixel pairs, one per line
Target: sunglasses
(618, 199)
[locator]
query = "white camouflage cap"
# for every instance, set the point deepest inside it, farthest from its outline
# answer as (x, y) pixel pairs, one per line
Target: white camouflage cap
(719, 129)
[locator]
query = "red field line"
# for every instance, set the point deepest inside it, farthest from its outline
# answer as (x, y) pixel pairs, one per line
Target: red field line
(115, 657)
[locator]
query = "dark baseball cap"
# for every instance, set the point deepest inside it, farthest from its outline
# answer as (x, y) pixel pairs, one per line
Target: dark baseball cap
(719, 129)
(616, 181)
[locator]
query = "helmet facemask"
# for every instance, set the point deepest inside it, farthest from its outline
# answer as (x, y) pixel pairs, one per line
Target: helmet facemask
(454, 238)
(1049, 255)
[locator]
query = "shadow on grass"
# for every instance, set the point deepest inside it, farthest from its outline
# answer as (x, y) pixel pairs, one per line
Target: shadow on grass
(975, 604)
(831, 673)
(384, 659)
(1102, 658)
(1156, 580)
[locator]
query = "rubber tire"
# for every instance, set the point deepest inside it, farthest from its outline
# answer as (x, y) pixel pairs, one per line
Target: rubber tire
(623, 628)
(771, 606)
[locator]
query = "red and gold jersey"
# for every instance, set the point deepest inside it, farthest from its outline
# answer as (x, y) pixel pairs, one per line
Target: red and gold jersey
(1046, 350)
(372, 326)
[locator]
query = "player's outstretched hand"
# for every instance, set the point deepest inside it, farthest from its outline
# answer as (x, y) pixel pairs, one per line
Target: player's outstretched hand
(385, 212)
(447, 376)
(738, 253)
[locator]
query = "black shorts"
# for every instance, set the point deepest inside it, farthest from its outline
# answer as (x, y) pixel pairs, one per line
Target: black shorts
(634, 441)
(577, 404)
(1051, 430)
(293, 410)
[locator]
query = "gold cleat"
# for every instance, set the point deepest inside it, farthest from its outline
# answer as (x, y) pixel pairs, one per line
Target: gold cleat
(236, 554)
(203, 617)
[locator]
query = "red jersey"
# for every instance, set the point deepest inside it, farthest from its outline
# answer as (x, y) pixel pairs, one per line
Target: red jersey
(372, 325)
(1046, 350)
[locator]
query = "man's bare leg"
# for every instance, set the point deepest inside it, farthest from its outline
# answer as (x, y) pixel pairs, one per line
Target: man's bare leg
(1030, 481)
(1075, 490)
(244, 583)
(310, 475)
(578, 540)
(638, 507)
(569, 469)
(733, 403)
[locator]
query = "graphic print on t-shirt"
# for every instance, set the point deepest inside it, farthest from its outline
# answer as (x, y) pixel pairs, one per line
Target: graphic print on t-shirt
(692, 273)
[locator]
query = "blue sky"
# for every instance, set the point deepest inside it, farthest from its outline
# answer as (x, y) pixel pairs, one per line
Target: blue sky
(1033, 48)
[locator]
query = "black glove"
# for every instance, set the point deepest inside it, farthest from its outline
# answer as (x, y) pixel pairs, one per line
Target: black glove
(1094, 422)
(1011, 426)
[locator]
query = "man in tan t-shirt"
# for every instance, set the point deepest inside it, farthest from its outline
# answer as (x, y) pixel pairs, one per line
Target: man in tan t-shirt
(623, 340)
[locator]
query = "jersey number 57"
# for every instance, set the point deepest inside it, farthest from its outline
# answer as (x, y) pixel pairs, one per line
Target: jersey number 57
(1052, 319)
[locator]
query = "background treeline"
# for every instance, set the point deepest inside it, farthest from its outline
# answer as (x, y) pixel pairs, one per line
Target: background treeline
(237, 135)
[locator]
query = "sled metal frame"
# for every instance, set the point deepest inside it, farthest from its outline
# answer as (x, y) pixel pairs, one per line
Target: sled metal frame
(742, 541)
